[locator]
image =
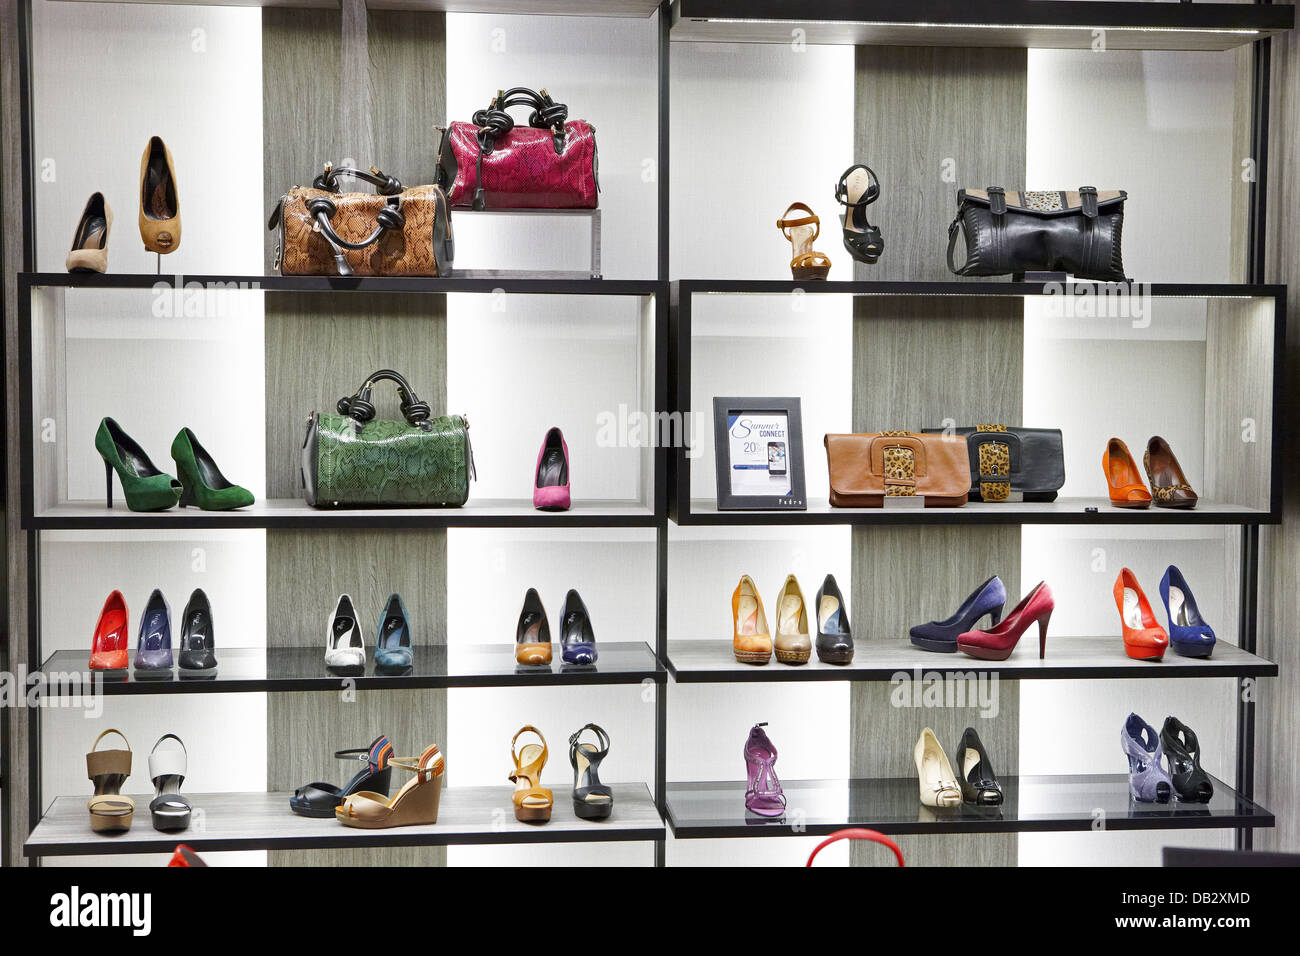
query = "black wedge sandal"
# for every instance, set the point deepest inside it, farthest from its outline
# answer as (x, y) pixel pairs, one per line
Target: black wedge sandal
(857, 189)
(592, 800)
(1183, 751)
(979, 785)
(320, 799)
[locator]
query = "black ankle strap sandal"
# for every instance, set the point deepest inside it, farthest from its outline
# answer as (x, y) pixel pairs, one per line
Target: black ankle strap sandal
(857, 189)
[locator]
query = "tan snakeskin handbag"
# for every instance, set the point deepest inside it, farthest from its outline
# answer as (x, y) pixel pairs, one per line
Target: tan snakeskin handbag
(392, 232)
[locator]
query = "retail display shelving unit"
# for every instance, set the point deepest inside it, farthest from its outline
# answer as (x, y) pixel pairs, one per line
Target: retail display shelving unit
(691, 809)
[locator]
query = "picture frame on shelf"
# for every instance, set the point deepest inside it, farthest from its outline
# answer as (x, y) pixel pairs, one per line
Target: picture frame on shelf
(758, 453)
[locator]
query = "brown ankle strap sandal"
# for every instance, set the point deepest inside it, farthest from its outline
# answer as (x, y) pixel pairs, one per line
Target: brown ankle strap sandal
(806, 263)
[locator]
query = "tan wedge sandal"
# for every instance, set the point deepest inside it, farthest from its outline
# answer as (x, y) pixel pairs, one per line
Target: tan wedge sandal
(110, 812)
(532, 801)
(802, 233)
(414, 805)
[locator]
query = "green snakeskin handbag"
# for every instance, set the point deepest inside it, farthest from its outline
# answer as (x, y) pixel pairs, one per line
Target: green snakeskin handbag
(349, 460)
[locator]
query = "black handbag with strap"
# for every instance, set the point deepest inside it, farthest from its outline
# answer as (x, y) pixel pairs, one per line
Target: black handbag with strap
(1011, 233)
(1008, 460)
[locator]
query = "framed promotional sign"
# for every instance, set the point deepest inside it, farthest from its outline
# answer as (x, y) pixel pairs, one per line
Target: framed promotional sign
(758, 447)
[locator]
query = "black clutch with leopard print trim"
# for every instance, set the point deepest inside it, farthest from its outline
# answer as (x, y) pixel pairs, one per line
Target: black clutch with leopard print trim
(1011, 233)
(1008, 462)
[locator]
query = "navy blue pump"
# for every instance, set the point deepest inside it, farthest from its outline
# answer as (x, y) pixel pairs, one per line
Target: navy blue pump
(153, 651)
(577, 639)
(1189, 635)
(941, 636)
(393, 640)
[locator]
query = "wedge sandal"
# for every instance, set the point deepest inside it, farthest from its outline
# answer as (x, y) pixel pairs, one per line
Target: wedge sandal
(110, 812)
(532, 801)
(320, 799)
(170, 811)
(416, 804)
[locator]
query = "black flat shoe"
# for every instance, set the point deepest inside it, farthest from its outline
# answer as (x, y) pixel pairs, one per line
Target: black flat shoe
(857, 189)
(592, 800)
(577, 639)
(834, 638)
(1183, 751)
(320, 799)
(198, 659)
(979, 785)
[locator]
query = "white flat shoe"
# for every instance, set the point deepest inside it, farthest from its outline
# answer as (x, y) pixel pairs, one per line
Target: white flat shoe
(344, 645)
(938, 782)
(793, 642)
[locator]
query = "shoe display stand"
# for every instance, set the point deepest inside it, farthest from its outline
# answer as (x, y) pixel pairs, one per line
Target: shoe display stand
(969, 337)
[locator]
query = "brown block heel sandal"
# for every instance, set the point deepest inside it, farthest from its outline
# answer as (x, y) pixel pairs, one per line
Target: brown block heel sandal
(415, 804)
(806, 263)
(110, 812)
(532, 801)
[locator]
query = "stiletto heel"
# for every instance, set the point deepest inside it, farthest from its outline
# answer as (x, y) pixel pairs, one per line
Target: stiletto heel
(763, 793)
(320, 799)
(941, 636)
(938, 784)
(997, 643)
(1123, 483)
(1144, 638)
(1169, 485)
(202, 482)
(577, 639)
(143, 485)
(153, 649)
(857, 189)
(793, 643)
(108, 482)
(1189, 635)
(834, 636)
(533, 633)
(979, 784)
(802, 233)
(110, 812)
(170, 810)
(345, 648)
(532, 801)
(393, 638)
(198, 659)
(108, 646)
(89, 252)
(750, 640)
(551, 476)
(1147, 780)
(592, 800)
(416, 804)
(1184, 753)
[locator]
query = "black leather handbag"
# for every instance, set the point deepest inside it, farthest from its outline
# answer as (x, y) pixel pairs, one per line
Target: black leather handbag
(1010, 233)
(1008, 460)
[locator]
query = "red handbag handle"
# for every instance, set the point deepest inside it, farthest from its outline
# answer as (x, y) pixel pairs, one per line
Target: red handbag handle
(856, 833)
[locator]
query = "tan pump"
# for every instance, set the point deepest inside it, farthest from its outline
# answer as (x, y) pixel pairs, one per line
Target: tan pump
(532, 801)
(160, 207)
(110, 812)
(750, 641)
(793, 642)
(416, 804)
(89, 252)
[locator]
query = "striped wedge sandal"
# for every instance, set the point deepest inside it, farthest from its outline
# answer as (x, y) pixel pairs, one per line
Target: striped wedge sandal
(414, 805)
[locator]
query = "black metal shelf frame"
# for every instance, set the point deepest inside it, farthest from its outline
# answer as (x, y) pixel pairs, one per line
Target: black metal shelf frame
(672, 334)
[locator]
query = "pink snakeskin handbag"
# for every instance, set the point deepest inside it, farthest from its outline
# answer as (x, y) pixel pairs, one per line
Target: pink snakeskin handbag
(493, 164)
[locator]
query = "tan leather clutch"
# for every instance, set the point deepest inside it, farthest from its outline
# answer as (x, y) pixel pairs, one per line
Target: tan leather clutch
(867, 469)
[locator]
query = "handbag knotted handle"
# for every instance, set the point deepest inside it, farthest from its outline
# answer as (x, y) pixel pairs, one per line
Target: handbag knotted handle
(495, 122)
(361, 410)
(390, 217)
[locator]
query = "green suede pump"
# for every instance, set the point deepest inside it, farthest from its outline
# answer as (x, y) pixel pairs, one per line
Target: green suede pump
(144, 486)
(204, 484)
